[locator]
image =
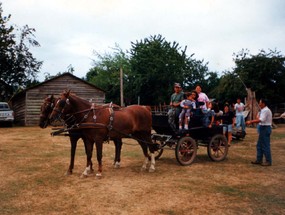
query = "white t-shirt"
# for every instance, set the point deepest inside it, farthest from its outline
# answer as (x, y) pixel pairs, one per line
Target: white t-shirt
(239, 107)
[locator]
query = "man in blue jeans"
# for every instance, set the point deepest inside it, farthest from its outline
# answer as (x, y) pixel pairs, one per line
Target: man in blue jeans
(263, 143)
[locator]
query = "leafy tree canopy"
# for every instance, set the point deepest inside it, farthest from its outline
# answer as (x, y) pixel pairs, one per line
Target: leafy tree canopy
(150, 68)
(157, 64)
(106, 73)
(264, 73)
(18, 67)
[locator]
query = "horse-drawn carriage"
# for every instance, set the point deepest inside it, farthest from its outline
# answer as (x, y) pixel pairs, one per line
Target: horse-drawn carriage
(96, 124)
(186, 142)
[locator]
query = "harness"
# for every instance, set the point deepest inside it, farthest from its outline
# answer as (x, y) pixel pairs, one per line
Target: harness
(80, 124)
(84, 125)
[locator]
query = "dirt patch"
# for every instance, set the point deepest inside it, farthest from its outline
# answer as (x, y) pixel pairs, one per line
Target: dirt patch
(32, 181)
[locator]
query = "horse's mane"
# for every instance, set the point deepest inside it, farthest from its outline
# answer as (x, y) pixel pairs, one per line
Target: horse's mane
(83, 101)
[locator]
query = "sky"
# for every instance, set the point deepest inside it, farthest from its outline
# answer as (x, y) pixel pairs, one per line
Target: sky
(69, 31)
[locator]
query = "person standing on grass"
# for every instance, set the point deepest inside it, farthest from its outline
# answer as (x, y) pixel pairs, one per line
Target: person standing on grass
(228, 122)
(239, 108)
(264, 132)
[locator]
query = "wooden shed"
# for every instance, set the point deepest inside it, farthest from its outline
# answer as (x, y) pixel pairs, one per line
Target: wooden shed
(27, 103)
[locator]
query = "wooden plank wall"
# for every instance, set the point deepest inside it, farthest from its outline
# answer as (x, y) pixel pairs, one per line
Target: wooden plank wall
(19, 108)
(36, 96)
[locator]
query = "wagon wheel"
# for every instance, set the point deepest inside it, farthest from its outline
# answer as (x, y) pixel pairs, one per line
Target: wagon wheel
(218, 148)
(186, 151)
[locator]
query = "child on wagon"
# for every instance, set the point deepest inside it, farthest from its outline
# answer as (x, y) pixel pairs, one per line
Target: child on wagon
(209, 115)
(187, 104)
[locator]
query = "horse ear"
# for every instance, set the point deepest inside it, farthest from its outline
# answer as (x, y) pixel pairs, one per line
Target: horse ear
(64, 94)
(47, 97)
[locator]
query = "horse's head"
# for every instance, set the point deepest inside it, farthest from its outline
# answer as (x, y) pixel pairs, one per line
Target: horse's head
(46, 109)
(60, 107)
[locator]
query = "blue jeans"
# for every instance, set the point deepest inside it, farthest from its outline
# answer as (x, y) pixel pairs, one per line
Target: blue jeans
(263, 144)
(240, 122)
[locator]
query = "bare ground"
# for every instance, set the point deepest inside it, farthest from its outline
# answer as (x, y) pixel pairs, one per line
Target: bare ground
(32, 181)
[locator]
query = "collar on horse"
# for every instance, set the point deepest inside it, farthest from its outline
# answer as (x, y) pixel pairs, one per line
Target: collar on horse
(81, 124)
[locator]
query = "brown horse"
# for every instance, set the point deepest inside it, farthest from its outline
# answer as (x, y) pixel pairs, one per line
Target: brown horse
(100, 123)
(74, 136)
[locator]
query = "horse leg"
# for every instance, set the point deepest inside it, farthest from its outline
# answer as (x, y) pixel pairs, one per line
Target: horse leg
(99, 149)
(118, 147)
(152, 158)
(73, 142)
(145, 152)
(89, 150)
(85, 141)
(145, 148)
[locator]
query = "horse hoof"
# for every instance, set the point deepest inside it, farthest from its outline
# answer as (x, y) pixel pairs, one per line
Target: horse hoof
(151, 170)
(117, 166)
(99, 175)
(68, 173)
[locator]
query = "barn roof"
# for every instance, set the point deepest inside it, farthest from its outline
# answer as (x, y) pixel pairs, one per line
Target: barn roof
(54, 78)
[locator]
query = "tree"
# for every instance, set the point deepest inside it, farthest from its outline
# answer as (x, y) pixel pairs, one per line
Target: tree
(18, 67)
(151, 67)
(106, 74)
(197, 73)
(264, 73)
(157, 64)
(229, 88)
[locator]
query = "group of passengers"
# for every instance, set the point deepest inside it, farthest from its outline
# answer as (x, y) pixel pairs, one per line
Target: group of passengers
(183, 108)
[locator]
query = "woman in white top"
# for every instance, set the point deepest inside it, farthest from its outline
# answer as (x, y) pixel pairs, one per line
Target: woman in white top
(202, 97)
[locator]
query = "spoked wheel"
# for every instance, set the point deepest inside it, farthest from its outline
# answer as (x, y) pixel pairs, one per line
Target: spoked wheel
(218, 148)
(186, 151)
